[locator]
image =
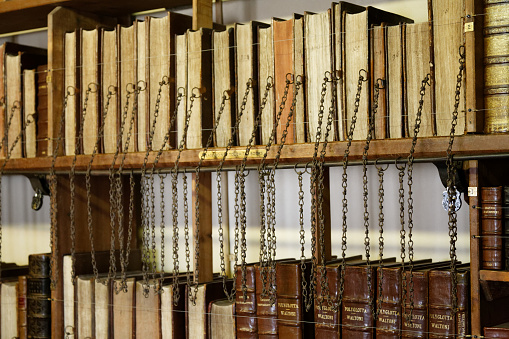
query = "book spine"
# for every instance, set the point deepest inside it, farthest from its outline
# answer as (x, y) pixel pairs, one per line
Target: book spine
(327, 320)
(418, 326)
(491, 228)
(22, 307)
(39, 296)
(246, 309)
(357, 315)
(496, 61)
(505, 226)
(265, 311)
(42, 112)
(388, 322)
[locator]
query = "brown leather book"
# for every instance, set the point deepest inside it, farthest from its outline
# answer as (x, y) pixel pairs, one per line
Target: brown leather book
(293, 319)
(378, 61)
(498, 331)
(22, 307)
(327, 319)
(265, 311)
(443, 322)
(42, 111)
(247, 325)
(38, 295)
(505, 208)
(197, 317)
(492, 228)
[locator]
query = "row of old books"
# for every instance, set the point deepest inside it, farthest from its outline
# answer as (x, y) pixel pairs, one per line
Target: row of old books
(495, 228)
(130, 78)
(399, 303)
(25, 298)
(23, 98)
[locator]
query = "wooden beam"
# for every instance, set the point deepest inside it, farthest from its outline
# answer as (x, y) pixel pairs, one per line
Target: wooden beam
(205, 238)
(494, 275)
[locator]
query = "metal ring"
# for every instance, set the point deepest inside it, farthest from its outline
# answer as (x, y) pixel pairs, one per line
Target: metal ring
(92, 87)
(289, 78)
(130, 88)
(199, 91)
(400, 167)
(270, 81)
(365, 72)
(165, 80)
(30, 118)
(141, 85)
(299, 79)
(181, 91)
(227, 94)
(71, 332)
(298, 172)
(112, 89)
(380, 83)
(16, 105)
(71, 90)
(462, 51)
(380, 168)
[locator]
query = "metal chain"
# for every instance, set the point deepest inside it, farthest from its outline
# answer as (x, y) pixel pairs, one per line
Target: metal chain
(410, 201)
(451, 188)
(402, 233)
(381, 220)
(302, 234)
(162, 227)
(314, 194)
(344, 183)
(71, 91)
(379, 85)
(174, 190)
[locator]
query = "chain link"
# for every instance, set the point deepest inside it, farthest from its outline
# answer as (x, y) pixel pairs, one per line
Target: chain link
(344, 183)
(381, 220)
(451, 188)
(425, 82)
(302, 234)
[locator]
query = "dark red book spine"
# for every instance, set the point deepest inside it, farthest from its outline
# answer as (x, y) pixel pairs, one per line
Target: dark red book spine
(247, 324)
(492, 228)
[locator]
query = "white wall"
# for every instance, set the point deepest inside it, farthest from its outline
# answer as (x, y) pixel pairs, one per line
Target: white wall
(25, 231)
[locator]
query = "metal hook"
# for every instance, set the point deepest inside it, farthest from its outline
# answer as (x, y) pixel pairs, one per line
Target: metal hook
(380, 168)
(270, 81)
(380, 83)
(289, 78)
(363, 78)
(462, 51)
(228, 93)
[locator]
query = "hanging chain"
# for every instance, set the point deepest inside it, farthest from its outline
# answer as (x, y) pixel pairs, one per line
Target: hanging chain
(379, 84)
(174, 190)
(344, 183)
(266, 248)
(381, 219)
(162, 227)
(314, 194)
(410, 201)
(71, 91)
(302, 234)
(451, 188)
(402, 233)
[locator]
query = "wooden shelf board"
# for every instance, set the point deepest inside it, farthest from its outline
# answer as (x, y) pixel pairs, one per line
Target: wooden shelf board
(18, 15)
(494, 275)
(435, 147)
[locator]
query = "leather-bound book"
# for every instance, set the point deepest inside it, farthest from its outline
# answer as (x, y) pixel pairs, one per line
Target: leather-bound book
(293, 320)
(42, 111)
(505, 207)
(491, 228)
(39, 295)
(247, 326)
(266, 69)
(498, 331)
(443, 321)
(378, 61)
(197, 316)
(265, 311)
(222, 319)
(29, 113)
(327, 319)
(22, 307)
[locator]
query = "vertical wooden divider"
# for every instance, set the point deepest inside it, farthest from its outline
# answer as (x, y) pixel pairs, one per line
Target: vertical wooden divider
(472, 167)
(202, 17)
(327, 217)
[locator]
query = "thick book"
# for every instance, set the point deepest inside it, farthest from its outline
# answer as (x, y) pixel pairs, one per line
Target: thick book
(379, 61)
(199, 83)
(294, 321)
(161, 59)
(266, 67)
(223, 79)
(173, 317)
(318, 61)
(394, 81)
(498, 331)
(90, 44)
(142, 74)
(110, 83)
(42, 111)
(505, 206)
(181, 80)
(288, 59)
(265, 311)
(245, 310)
(197, 312)
(30, 113)
(445, 38)
(22, 307)
(148, 311)
(39, 296)
(327, 317)
(128, 74)
(417, 67)
(124, 312)
(222, 319)
(13, 105)
(444, 322)
(247, 68)
(357, 57)
(82, 266)
(9, 314)
(85, 306)
(492, 228)
(72, 85)
(103, 299)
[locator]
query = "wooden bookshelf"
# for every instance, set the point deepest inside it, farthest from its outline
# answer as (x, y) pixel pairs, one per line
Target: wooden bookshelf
(494, 275)
(19, 15)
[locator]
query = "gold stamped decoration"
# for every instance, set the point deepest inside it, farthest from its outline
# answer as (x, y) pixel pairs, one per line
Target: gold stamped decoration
(232, 154)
